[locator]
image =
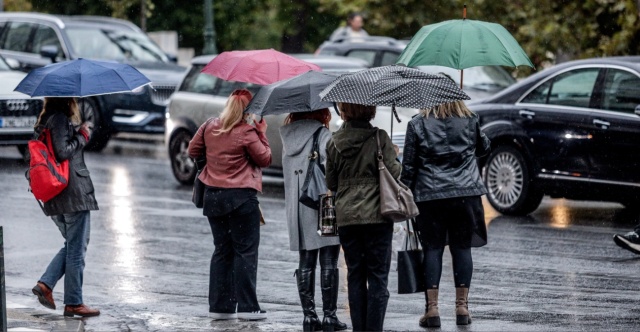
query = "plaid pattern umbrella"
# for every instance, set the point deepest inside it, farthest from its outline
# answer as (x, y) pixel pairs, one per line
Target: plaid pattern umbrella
(393, 86)
(297, 94)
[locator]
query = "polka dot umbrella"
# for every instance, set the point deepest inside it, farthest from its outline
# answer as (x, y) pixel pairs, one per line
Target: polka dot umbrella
(393, 86)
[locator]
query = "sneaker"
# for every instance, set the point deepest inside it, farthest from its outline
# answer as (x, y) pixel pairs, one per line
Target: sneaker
(253, 315)
(629, 241)
(223, 315)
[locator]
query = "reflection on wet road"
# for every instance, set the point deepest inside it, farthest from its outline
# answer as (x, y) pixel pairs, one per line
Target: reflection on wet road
(148, 260)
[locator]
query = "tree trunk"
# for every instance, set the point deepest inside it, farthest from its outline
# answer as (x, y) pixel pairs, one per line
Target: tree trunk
(294, 43)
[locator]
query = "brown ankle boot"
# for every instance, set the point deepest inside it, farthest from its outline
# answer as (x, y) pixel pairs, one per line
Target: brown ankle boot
(81, 310)
(431, 317)
(462, 307)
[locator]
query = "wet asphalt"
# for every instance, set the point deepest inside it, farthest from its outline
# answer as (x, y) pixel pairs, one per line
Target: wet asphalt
(147, 265)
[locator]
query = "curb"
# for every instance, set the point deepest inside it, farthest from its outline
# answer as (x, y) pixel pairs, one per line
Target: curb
(22, 319)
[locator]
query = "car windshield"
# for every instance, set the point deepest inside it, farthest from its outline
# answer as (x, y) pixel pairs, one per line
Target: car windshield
(113, 45)
(481, 78)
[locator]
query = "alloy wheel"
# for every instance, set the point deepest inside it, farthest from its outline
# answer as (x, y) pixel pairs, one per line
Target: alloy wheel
(505, 179)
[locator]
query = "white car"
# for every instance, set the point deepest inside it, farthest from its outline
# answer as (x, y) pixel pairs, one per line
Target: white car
(18, 112)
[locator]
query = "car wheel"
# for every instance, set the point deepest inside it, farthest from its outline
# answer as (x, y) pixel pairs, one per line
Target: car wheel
(101, 132)
(24, 151)
(508, 180)
(183, 167)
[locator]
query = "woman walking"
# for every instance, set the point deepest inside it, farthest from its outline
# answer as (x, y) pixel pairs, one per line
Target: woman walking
(298, 135)
(69, 209)
(352, 172)
(235, 152)
(440, 167)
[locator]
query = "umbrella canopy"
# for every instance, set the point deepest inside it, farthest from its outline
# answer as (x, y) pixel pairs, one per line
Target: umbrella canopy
(462, 44)
(257, 66)
(297, 94)
(81, 78)
(393, 86)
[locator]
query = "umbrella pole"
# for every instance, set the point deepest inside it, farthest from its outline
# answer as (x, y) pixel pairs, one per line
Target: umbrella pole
(461, 77)
(393, 110)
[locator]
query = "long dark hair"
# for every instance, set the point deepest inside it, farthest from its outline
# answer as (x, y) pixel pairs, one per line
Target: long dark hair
(323, 116)
(68, 106)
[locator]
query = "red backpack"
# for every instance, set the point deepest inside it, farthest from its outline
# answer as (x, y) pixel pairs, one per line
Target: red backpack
(47, 177)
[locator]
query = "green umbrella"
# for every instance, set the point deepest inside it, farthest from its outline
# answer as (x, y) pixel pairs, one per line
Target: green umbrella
(462, 44)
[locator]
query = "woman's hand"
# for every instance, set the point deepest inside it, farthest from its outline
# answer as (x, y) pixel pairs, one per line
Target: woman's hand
(261, 126)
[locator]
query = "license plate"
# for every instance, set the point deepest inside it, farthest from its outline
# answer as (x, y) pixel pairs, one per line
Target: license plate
(17, 121)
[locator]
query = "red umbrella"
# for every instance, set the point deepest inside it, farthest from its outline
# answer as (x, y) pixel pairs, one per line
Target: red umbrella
(257, 67)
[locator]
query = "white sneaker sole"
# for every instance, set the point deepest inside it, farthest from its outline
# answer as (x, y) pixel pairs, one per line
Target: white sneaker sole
(252, 316)
(624, 243)
(222, 316)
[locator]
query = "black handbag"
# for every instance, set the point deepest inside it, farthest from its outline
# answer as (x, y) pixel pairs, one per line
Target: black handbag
(411, 278)
(198, 187)
(314, 183)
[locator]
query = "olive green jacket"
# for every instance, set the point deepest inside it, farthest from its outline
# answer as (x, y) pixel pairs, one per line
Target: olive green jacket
(352, 172)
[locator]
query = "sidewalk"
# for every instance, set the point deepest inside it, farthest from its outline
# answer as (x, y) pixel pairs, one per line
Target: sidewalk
(21, 318)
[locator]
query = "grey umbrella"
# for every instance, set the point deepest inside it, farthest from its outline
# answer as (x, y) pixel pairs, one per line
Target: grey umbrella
(297, 94)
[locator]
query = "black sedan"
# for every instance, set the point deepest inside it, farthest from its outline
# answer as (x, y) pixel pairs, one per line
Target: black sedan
(570, 131)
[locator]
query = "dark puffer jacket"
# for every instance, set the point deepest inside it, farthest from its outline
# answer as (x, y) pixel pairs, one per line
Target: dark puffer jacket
(352, 172)
(68, 145)
(439, 158)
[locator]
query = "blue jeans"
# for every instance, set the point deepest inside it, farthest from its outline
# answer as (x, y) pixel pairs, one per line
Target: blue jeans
(69, 261)
(234, 263)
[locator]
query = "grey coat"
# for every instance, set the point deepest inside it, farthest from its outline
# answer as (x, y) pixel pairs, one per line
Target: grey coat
(68, 145)
(297, 141)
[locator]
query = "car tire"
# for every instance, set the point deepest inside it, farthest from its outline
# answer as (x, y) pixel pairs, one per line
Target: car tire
(101, 131)
(24, 151)
(507, 177)
(182, 166)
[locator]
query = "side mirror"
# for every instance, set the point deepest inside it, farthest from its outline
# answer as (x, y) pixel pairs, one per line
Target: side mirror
(13, 63)
(49, 51)
(172, 57)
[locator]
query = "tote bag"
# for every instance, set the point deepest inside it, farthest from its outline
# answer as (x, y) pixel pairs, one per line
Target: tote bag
(410, 269)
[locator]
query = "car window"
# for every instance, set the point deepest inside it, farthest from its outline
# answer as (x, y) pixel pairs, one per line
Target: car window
(17, 36)
(197, 82)
(389, 58)
(366, 55)
(573, 88)
(621, 91)
(45, 36)
(113, 45)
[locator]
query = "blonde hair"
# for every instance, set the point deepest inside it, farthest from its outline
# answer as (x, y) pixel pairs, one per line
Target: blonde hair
(456, 108)
(233, 110)
(68, 106)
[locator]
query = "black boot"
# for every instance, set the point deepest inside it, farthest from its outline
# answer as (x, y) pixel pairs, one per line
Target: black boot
(306, 279)
(329, 285)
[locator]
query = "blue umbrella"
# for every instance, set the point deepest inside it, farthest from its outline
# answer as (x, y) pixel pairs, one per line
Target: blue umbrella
(81, 78)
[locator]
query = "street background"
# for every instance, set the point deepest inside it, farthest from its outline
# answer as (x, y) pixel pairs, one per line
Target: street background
(148, 259)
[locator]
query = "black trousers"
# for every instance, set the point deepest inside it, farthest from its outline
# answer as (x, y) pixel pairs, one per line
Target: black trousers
(234, 264)
(328, 258)
(367, 252)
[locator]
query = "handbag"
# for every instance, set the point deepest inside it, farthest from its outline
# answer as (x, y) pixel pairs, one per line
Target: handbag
(198, 187)
(396, 199)
(314, 183)
(411, 278)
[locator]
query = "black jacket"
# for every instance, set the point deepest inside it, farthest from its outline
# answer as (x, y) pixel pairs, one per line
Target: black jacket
(68, 145)
(440, 157)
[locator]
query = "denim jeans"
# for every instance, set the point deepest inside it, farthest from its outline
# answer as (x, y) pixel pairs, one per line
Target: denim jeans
(234, 264)
(69, 262)
(367, 252)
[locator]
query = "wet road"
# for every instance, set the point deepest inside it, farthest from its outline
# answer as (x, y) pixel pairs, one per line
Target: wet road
(148, 260)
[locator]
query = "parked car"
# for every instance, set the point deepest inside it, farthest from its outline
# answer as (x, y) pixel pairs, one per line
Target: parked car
(570, 131)
(35, 40)
(18, 112)
(479, 82)
(201, 96)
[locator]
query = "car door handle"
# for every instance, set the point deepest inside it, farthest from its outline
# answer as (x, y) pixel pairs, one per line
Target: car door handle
(527, 114)
(601, 124)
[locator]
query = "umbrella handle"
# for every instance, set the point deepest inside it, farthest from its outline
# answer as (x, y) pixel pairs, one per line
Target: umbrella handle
(393, 109)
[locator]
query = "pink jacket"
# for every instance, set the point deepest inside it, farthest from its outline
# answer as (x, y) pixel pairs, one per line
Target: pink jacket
(235, 158)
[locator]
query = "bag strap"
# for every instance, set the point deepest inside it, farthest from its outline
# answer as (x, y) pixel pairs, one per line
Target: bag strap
(315, 149)
(412, 235)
